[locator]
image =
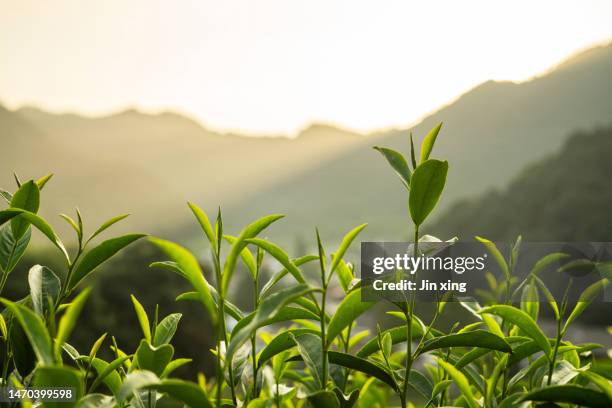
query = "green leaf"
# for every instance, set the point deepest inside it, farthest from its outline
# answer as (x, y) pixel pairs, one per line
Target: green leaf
(268, 309)
(497, 256)
(398, 335)
(134, 381)
(323, 399)
(107, 373)
(412, 153)
(99, 254)
(174, 364)
(188, 266)
(36, 221)
(166, 328)
(586, 298)
(349, 309)
(386, 344)
(250, 231)
(524, 322)
(280, 255)
(309, 346)
(549, 297)
(143, 318)
(45, 287)
(345, 276)
(69, 320)
(283, 341)
(572, 394)
(420, 383)
(35, 330)
(601, 382)
(12, 251)
(74, 226)
(362, 365)
(59, 377)
(426, 188)
(280, 274)
(26, 198)
(397, 162)
(107, 224)
(247, 257)
(41, 182)
(205, 224)
(476, 338)
(154, 359)
(530, 301)
(429, 141)
(190, 394)
(460, 381)
(344, 246)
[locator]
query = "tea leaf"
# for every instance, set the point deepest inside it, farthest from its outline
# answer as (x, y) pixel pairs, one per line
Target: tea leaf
(134, 381)
(397, 162)
(143, 319)
(35, 330)
(461, 381)
(99, 254)
(247, 257)
(42, 182)
(107, 373)
(309, 346)
(250, 231)
(600, 381)
(283, 341)
(280, 274)
(345, 276)
(586, 298)
(12, 251)
(59, 377)
(426, 188)
(349, 309)
(429, 141)
(36, 221)
(476, 338)
(26, 198)
(412, 153)
(69, 319)
(205, 224)
(174, 364)
(45, 287)
(280, 255)
(499, 258)
(572, 394)
(344, 246)
(166, 328)
(323, 399)
(189, 268)
(190, 394)
(107, 224)
(398, 335)
(154, 359)
(523, 321)
(268, 309)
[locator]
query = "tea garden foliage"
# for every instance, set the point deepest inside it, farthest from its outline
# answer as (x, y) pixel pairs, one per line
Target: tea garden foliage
(291, 349)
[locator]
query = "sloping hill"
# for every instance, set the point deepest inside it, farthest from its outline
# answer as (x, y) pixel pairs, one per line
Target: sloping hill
(489, 135)
(149, 165)
(564, 197)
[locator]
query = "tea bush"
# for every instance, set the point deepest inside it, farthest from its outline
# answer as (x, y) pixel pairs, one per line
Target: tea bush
(291, 348)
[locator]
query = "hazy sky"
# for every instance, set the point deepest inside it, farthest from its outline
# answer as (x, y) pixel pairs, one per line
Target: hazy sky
(276, 65)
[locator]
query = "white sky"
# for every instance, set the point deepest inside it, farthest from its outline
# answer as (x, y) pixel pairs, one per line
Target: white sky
(276, 65)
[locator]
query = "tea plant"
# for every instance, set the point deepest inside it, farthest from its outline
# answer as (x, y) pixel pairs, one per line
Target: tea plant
(297, 346)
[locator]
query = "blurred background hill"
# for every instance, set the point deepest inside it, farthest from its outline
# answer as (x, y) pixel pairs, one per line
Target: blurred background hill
(150, 165)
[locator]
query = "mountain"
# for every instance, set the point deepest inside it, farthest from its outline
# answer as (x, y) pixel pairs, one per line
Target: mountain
(564, 197)
(150, 165)
(490, 133)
